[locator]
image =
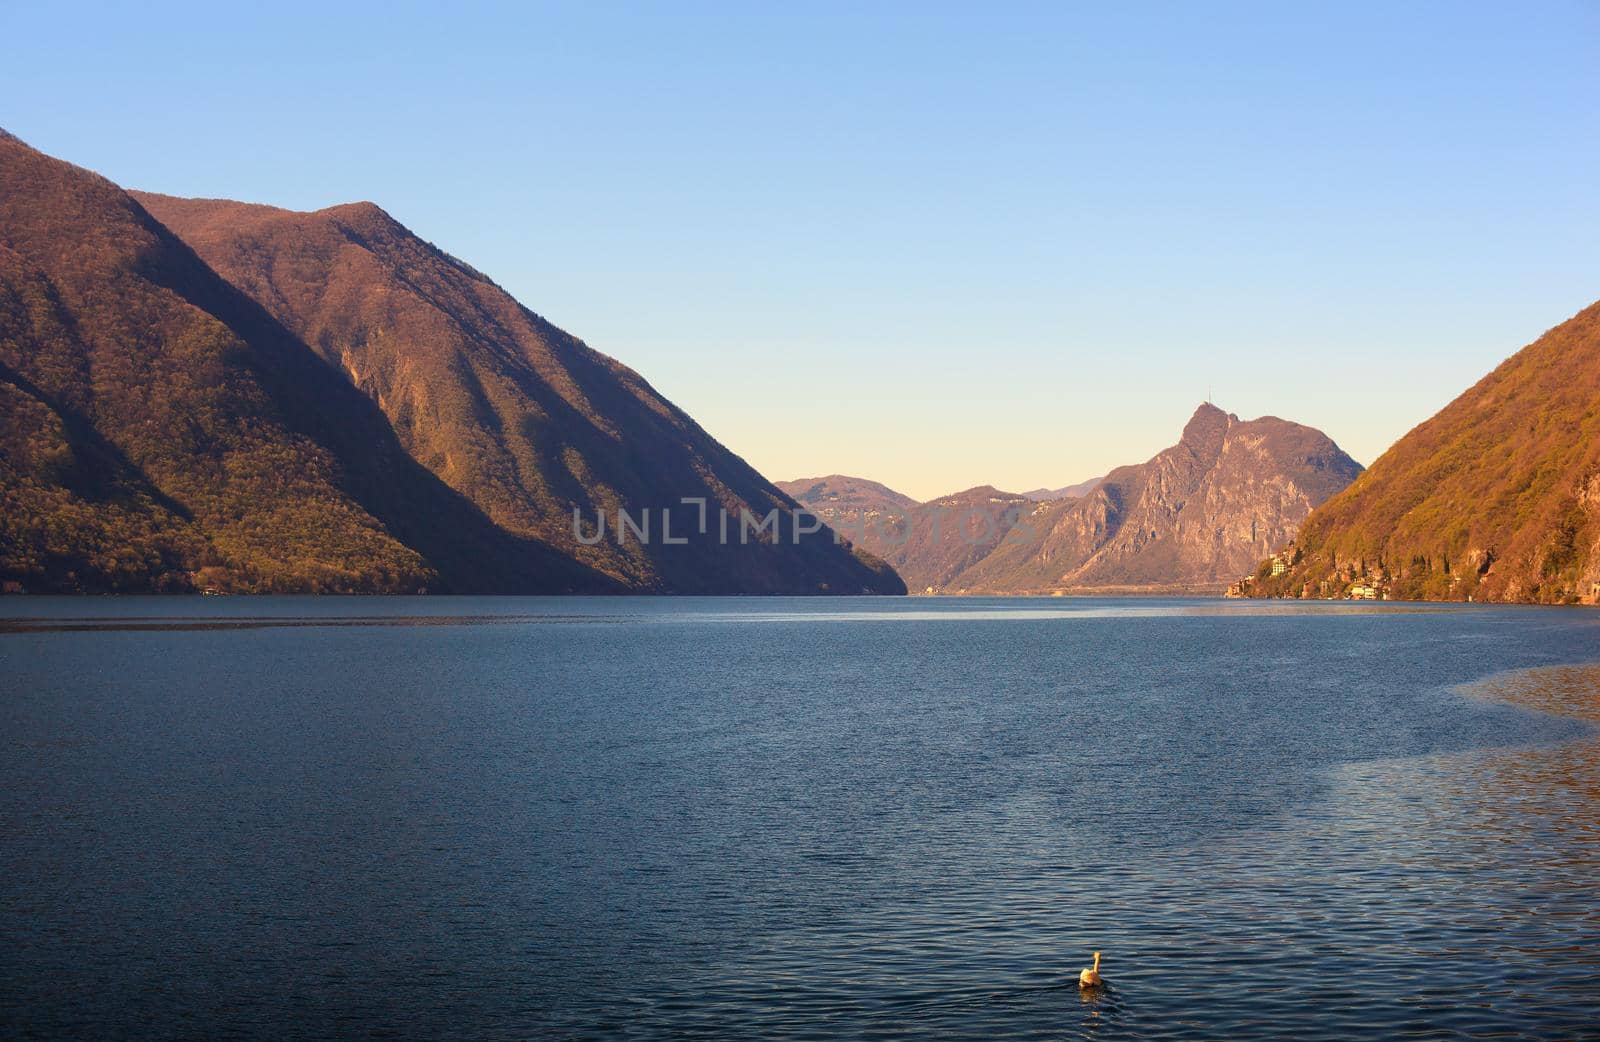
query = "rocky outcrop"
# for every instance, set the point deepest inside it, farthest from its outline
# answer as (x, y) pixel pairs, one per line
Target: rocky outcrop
(1197, 514)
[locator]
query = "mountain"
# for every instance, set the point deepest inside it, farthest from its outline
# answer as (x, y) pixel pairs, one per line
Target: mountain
(929, 543)
(380, 418)
(1194, 516)
(519, 416)
(844, 497)
(943, 537)
(1081, 489)
(161, 432)
(1495, 498)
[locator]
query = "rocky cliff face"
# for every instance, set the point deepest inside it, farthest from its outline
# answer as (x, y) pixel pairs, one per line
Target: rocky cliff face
(1197, 514)
(1495, 498)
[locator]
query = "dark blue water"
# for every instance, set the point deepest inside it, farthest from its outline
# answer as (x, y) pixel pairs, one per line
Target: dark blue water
(740, 819)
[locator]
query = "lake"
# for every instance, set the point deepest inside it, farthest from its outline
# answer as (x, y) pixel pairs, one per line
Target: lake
(640, 818)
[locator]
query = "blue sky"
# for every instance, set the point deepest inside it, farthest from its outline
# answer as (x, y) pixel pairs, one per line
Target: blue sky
(933, 245)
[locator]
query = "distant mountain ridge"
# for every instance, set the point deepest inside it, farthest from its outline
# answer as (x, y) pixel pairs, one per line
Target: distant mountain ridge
(929, 543)
(1193, 517)
(841, 495)
(216, 394)
(1495, 498)
(1081, 489)
(1187, 517)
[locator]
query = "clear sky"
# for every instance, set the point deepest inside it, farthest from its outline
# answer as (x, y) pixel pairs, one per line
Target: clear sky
(933, 245)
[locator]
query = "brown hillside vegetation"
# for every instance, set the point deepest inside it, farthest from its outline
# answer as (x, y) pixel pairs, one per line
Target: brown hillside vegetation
(145, 436)
(1495, 498)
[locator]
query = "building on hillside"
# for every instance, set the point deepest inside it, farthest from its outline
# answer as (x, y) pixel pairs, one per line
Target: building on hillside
(1285, 559)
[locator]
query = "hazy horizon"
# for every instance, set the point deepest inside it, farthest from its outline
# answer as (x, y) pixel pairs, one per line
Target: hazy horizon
(926, 247)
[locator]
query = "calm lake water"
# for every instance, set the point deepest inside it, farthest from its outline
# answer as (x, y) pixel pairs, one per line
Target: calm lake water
(731, 819)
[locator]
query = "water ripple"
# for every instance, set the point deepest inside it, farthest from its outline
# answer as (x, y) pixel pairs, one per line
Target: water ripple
(731, 827)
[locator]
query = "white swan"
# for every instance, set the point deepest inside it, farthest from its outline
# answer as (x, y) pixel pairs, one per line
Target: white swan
(1090, 978)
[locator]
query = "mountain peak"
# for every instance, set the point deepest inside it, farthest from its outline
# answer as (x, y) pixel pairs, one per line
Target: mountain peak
(1188, 518)
(1205, 429)
(844, 492)
(976, 494)
(361, 210)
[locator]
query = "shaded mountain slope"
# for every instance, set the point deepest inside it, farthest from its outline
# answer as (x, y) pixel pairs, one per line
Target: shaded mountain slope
(1196, 514)
(168, 433)
(1495, 498)
(75, 513)
(517, 415)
